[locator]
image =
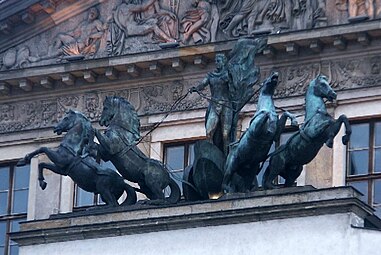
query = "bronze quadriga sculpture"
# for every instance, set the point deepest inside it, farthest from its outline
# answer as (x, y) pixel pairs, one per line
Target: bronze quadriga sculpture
(73, 158)
(319, 128)
(118, 144)
(246, 155)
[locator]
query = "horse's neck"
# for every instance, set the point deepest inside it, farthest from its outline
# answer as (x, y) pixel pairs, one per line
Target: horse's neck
(74, 139)
(314, 104)
(265, 102)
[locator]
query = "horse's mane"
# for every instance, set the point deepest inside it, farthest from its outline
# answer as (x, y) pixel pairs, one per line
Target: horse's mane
(89, 131)
(125, 115)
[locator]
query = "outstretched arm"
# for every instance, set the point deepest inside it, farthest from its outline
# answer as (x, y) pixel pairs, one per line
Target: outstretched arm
(203, 84)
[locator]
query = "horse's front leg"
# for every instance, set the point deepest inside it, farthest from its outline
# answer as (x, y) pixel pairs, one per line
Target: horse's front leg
(335, 128)
(282, 123)
(49, 166)
(348, 129)
(108, 145)
(29, 156)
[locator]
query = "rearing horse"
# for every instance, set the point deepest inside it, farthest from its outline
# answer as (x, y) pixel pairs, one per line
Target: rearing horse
(117, 144)
(319, 128)
(72, 159)
(246, 156)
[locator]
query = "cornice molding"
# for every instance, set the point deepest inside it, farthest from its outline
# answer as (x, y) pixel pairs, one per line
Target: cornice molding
(233, 209)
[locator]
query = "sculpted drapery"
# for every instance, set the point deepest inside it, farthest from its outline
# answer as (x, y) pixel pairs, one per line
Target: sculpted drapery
(137, 18)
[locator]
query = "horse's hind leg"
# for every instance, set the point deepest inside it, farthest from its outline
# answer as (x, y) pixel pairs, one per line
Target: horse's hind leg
(277, 164)
(145, 190)
(230, 169)
(292, 173)
(108, 197)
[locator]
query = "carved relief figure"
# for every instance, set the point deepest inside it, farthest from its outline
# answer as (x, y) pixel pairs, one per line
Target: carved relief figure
(377, 11)
(17, 58)
(166, 20)
(133, 18)
(84, 40)
(200, 23)
(357, 8)
(241, 17)
(91, 105)
(173, 5)
(7, 112)
(308, 14)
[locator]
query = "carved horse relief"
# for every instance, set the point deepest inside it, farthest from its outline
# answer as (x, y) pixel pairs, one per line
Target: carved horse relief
(72, 158)
(319, 128)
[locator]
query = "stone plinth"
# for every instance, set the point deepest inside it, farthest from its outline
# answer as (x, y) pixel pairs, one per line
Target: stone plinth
(286, 221)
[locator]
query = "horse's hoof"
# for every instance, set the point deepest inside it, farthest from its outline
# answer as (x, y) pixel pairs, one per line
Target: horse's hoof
(268, 186)
(329, 144)
(22, 162)
(345, 139)
(43, 185)
(253, 189)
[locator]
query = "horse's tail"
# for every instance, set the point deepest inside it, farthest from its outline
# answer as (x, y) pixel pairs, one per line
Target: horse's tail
(131, 195)
(175, 195)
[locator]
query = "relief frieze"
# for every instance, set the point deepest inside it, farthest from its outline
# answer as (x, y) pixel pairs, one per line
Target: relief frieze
(162, 97)
(130, 26)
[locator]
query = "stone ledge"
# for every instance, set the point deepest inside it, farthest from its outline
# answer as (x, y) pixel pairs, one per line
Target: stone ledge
(232, 209)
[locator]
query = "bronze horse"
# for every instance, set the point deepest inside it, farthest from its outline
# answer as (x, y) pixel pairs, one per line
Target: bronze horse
(319, 128)
(251, 150)
(72, 159)
(117, 144)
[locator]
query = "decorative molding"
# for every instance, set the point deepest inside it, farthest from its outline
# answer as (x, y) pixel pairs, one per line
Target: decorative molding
(237, 208)
(158, 97)
(105, 36)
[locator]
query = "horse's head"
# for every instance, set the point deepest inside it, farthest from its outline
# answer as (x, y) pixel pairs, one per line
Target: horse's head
(269, 85)
(79, 131)
(109, 111)
(67, 123)
(321, 88)
(117, 111)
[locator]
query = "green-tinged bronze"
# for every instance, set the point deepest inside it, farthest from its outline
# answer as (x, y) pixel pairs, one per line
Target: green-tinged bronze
(206, 174)
(231, 88)
(118, 144)
(74, 158)
(319, 128)
(246, 155)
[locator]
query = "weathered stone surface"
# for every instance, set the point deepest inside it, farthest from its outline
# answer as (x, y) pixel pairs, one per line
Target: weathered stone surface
(261, 206)
(351, 72)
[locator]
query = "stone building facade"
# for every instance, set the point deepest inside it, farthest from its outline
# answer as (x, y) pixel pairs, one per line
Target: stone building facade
(57, 55)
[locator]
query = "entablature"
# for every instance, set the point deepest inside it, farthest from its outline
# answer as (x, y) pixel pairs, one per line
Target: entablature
(320, 43)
